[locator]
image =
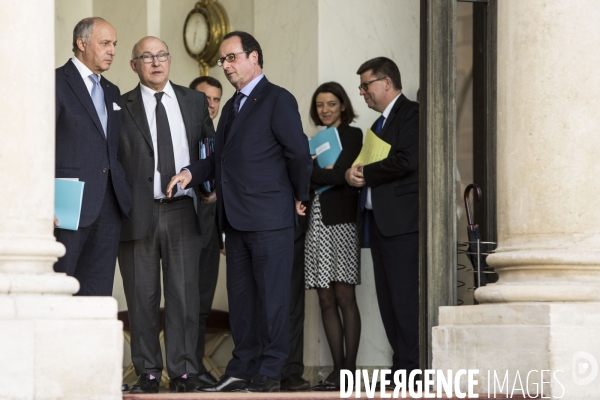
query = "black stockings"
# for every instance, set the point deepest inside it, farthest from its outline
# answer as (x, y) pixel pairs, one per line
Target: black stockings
(340, 330)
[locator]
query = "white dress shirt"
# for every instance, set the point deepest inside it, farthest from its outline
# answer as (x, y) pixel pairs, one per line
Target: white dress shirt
(181, 149)
(385, 114)
(85, 73)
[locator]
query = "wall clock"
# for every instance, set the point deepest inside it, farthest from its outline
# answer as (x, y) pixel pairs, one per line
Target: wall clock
(203, 33)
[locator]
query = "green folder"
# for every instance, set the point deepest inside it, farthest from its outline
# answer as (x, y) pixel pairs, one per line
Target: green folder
(68, 195)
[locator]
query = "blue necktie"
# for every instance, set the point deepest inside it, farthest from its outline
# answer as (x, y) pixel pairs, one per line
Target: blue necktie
(235, 109)
(364, 193)
(98, 99)
(379, 126)
(364, 190)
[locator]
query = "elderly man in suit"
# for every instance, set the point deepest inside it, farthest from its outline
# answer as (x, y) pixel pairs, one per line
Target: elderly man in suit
(262, 171)
(87, 137)
(162, 126)
(390, 208)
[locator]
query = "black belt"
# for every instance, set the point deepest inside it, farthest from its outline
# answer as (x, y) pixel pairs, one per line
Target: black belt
(168, 200)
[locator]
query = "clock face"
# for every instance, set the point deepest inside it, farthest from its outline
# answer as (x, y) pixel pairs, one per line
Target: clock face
(196, 33)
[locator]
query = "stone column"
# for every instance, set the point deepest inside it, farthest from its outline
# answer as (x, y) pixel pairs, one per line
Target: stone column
(544, 312)
(52, 345)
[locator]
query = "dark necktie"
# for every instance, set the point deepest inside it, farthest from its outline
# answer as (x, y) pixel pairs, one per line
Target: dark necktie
(235, 108)
(364, 190)
(379, 125)
(166, 157)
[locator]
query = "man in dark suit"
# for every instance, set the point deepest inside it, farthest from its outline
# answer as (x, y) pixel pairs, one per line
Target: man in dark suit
(87, 139)
(390, 208)
(293, 369)
(162, 125)
(262, 171)
(211, 242)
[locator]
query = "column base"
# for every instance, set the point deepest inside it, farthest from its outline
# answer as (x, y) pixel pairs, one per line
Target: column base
(517, 339)
(60, 347)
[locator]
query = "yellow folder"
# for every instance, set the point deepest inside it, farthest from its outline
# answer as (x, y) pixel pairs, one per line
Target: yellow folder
(374, 149)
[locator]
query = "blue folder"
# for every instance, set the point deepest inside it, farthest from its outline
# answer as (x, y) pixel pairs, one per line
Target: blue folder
(327, 146)
(207, 147)
(68, 196)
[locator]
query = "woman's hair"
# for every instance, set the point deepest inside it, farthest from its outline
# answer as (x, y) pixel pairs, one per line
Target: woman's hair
(338, 91)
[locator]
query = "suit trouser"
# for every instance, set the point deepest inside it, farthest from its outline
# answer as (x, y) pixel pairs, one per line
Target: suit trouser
(396, 269)
(294, 365)
(173, 238)
(209, 272)
(92, 250)
(259, 266)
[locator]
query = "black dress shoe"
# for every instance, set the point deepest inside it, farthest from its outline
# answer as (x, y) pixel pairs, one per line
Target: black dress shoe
(186, 383)
(206, 379)
(294, 383)
(262, 383)
(226, 384)
(325, 386)
(145, 383)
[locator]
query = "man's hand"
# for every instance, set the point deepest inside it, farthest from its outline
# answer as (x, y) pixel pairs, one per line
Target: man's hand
(211, 198)
(354, 176)
(56, 223)
(300, 208)
(185, 177)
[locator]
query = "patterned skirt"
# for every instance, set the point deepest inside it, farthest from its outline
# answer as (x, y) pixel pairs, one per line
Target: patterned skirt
(332, 253)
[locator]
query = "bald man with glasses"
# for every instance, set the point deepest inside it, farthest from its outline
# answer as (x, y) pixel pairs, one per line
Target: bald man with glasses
(162, 125)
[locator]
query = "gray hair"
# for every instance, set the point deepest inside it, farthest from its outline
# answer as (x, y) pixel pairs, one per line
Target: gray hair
(83, 30)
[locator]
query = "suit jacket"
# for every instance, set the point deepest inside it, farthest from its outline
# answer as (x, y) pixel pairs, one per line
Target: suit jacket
(137, 153)
(82, 149)
(263, 165)
(339, 204)
(394, 181)
(208, 212)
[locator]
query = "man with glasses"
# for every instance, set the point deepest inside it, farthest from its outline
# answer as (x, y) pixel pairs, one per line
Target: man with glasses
(162, 124)
(262, 170)
(390, 208)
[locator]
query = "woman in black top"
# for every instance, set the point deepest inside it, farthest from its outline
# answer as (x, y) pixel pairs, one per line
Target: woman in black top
(332, 253)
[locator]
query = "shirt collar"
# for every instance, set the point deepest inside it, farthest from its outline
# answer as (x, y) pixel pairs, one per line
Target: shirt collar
(149, 93)
(246, 90)
(84, 71)
(388, 109)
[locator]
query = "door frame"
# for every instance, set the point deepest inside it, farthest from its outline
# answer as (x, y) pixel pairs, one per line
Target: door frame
(437, 152)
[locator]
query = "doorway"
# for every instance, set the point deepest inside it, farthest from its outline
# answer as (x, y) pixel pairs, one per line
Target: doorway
(457, 145)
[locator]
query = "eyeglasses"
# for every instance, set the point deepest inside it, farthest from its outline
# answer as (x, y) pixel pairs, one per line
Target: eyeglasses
(229, 58)
(365, 85)
(148, 58)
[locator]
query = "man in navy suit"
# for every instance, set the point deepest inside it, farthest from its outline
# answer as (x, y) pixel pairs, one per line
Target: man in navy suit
(390, 208)
(87, 137)
(262, 171)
